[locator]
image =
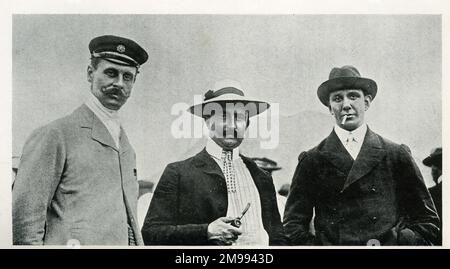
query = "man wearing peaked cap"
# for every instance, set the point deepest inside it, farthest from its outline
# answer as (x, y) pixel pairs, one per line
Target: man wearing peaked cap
(76, 182)
(365, 189)
(197, 201)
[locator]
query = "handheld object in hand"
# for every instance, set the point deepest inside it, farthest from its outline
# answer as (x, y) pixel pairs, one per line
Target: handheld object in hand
(237, 221)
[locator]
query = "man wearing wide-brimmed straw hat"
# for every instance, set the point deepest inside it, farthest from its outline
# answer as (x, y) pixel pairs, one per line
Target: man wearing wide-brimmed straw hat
(365, 189)
(197, 201)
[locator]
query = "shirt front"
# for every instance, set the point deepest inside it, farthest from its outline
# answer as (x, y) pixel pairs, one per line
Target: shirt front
(253, 232)
(353, 140)
(109, 118)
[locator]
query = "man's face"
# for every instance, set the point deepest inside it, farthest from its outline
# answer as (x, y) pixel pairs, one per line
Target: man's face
(111, 83)
(227, 129)
(351, 103)
(436, 172)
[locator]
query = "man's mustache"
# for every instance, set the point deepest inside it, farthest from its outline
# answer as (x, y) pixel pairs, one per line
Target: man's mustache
(226, 133)
(115, 90)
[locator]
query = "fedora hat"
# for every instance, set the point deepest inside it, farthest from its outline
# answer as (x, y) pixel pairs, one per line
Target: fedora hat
(346, 77)
(229, 91)
(434, 158)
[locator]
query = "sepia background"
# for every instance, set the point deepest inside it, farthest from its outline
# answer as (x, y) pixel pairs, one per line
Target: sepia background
(278, 58)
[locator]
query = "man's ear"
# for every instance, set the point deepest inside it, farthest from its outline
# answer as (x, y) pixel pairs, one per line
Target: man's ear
(367, 101)
(329, 108)
(207, 121)
(247, 119)
(89, 73)
(135, 75)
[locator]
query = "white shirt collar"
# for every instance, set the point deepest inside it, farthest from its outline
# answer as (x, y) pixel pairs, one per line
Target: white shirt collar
(109, 118)
(359, 133)
(216, 151)
(94, 104)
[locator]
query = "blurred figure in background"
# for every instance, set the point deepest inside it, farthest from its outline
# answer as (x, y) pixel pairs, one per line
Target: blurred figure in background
(434, 161)
(269, 166)
(15, 168)
(145, 197)
(283, 193)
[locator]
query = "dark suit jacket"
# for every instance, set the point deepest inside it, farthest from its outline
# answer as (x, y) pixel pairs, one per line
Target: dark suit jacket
(381, 195)
(193, 193)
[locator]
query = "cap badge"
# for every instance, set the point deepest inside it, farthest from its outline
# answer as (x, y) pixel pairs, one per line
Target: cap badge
(121, 48)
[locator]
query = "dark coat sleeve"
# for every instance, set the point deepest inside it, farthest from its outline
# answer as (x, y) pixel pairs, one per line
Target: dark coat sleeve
(161, 226)
(421, 222)
(299, 205)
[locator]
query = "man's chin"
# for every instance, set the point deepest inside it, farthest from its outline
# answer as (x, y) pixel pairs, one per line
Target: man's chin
(113, 105)
(349, 126)
(231, 143)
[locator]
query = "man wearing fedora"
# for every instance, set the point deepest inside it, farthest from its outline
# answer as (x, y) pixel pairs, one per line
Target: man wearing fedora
(434, 161)
(266, 164)
(365, 189)
(197, 201)
(269, 166)
(76, 182)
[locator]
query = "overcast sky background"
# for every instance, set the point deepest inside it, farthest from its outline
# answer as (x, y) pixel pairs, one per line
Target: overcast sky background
(281, 59)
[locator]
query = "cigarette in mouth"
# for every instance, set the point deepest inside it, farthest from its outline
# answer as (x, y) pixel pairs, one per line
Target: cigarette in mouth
(344, 119)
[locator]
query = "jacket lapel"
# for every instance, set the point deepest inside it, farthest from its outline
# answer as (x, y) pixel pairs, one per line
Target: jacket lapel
(259, 177)
(209, 166)
(336, 154)
(98, 130)
(124, 142)
(370, 155)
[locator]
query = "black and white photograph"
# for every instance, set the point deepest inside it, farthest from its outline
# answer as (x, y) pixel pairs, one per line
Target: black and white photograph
(240, 127)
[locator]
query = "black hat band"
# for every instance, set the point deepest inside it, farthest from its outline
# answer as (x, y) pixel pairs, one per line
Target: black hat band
(211, 94)
(125, 59)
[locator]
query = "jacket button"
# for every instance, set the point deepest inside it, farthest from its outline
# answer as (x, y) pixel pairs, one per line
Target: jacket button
(373, 190)
(374, 219)
(373, 242)
(332, 223)
(73, 243)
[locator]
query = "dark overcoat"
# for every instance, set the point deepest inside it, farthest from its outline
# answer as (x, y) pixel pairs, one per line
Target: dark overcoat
(380, 196)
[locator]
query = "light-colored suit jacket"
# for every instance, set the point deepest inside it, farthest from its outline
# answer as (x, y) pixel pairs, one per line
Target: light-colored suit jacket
(74, 185)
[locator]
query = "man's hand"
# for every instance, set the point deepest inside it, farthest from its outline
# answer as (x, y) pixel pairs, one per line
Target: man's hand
(222, 232)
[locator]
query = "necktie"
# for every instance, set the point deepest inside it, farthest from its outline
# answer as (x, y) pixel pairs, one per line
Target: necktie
(228, 168)
(351, 144)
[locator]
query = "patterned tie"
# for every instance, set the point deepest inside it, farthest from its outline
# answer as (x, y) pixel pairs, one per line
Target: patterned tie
(230, 173)
(351, 144)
